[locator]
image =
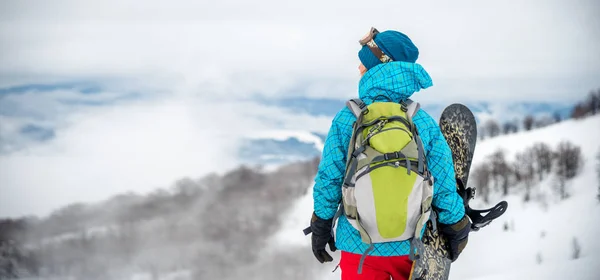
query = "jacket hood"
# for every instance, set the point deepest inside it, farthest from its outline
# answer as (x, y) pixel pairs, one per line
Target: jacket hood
(393, 81)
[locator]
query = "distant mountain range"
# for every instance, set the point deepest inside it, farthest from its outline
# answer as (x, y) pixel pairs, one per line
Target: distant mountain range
(287, 146)
(329, 107)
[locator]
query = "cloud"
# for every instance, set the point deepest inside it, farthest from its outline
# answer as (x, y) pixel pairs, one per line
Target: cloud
(37, 132)
(267, 46)
(142, 94)
(137, 145)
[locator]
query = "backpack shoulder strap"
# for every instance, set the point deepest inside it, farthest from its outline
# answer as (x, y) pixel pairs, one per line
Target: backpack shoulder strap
(356, 105)
(412, 107)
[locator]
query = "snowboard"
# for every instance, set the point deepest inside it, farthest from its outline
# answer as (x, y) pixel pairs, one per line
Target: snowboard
(457, 124)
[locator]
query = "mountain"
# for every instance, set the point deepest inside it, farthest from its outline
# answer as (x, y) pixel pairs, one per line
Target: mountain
(504, 111)
(209, 228)
(247, 224)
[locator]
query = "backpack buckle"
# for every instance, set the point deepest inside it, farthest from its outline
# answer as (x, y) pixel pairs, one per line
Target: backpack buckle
(403, 106)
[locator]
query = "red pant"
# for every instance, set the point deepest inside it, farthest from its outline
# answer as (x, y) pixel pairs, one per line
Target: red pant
(375, 268)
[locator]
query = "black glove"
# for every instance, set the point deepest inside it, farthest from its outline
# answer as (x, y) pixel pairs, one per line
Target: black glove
(321, 236)
(457, 235)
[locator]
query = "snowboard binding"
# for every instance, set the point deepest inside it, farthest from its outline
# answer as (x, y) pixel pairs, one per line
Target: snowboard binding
(483, 217)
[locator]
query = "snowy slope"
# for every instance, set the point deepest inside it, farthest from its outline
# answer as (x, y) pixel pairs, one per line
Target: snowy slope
(538, 244)
(541, 233)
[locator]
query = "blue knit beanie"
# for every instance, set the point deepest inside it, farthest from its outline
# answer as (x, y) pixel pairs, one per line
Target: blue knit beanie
(393, 43)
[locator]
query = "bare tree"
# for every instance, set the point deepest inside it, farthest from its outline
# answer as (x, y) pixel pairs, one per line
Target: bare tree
(543, 157)
(569, 159)
(186, 192)
(506, 128)
(569, 162)
(598, 172)
(492, 127)
(524, 169)
(516, 126)
(517, 172)
(598, 99)
(509, 127)
(482, 176)
(557, 117)
(500, 171)
(593, 103)
(528, 122)
(579, 111)
(576, 249)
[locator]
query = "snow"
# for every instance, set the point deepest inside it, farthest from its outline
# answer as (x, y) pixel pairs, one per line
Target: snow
(584, 269)
(539, 241)
(295, 220)
(543, 229)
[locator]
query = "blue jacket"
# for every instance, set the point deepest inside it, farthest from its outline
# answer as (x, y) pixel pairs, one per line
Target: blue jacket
(396, 81)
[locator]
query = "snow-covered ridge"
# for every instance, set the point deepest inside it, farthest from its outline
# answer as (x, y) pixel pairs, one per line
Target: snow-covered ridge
(282, 135)
(274, 148)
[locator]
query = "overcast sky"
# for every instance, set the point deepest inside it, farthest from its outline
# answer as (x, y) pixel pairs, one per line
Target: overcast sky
(162, 66)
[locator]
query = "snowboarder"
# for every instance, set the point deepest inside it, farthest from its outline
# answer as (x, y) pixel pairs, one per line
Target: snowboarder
(389, 72)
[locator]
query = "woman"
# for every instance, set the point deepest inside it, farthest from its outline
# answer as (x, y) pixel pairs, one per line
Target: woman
(389, 72)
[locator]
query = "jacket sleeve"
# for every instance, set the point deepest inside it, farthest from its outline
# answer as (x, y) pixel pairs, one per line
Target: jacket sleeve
(439, 159)
(327, 191)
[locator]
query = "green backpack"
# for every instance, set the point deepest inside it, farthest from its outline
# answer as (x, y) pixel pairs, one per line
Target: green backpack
(387, 190)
